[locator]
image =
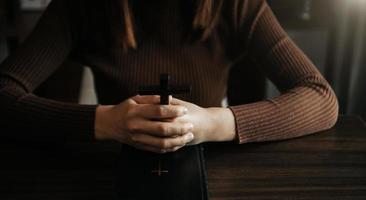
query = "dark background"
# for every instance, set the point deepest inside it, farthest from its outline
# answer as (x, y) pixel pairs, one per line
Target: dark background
(331, 32)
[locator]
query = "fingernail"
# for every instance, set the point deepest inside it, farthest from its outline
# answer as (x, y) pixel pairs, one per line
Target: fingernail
(185, 110)
(190, 137)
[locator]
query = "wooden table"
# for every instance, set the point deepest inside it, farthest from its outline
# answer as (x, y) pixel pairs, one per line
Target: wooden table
(328, 165)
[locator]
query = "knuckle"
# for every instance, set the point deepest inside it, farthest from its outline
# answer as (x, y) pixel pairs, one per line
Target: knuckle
(155, 98)
(183, 130)
(181, 110)
(131, 126)
(163, 129)
(178, 110)
(130, 101)
(164, 144)
(186, 128)
(131, 110)
(161, 111)
(133, 139)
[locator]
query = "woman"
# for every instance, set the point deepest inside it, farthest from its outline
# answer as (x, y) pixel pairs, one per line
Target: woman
(129, 43)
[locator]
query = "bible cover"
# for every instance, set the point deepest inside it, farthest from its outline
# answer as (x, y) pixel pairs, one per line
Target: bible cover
(179, 175)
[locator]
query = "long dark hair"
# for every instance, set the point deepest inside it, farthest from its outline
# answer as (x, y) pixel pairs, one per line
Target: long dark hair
(206, 17)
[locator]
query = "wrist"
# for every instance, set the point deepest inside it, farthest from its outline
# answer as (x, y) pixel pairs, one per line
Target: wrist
(102, 121)
(223, 125)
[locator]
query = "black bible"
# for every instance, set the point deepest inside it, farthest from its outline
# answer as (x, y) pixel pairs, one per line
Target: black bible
(179, 175)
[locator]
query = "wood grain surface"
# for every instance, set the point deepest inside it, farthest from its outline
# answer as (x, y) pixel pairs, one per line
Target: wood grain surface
(327, 165)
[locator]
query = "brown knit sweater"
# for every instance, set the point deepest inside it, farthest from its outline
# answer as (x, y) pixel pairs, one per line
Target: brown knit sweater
(82, 30)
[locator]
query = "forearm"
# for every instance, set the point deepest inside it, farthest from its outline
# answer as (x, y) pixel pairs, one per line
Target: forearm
(29, 117)
(299, 112)
(307, 103)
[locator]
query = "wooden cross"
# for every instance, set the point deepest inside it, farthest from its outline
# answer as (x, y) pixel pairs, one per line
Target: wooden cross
(164, 90)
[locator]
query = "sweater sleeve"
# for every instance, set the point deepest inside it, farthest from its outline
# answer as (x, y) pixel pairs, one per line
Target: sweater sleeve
(26, 116)
(307, 103)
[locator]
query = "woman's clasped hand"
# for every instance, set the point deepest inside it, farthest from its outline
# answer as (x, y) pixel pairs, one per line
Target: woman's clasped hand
(143, 123)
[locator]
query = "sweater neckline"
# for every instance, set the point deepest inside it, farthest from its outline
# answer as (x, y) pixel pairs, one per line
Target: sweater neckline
(165, 21)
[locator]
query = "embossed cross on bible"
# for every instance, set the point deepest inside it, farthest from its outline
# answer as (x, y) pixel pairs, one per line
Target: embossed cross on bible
(164, 90)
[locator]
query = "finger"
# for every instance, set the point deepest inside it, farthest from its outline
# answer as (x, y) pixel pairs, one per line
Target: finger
(147, 99)
(145, 147)
(175, 101)
(160, 111)
(162, 129)
(140, 146)
(170, 98)
(174, 149)
(162, 143)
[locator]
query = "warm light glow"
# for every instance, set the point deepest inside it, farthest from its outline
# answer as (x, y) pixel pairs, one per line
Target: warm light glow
(359, 2)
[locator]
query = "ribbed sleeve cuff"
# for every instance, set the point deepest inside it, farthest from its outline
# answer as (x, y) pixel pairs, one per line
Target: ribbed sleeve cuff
(249, 121)
(70, 121)
(31, 117)
(242, 127)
